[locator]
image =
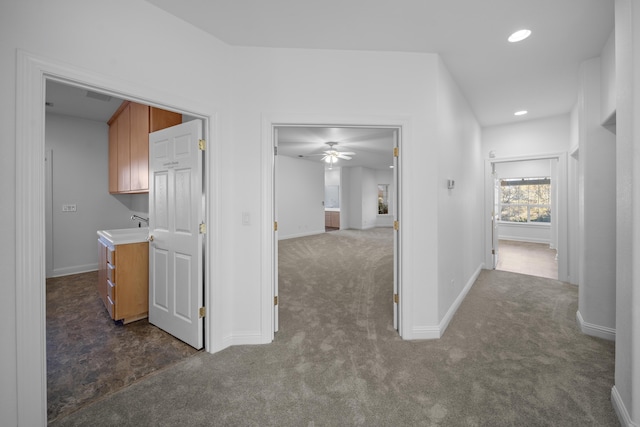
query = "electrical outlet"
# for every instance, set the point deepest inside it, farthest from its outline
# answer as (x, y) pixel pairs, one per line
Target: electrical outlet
(69, 208)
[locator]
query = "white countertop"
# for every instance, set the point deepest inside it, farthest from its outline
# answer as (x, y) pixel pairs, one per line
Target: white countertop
(123, 236)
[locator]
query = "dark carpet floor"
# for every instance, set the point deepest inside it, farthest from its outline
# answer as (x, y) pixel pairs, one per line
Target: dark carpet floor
(511, 356)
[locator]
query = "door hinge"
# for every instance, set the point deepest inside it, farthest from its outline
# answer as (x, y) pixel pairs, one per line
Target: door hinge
(203, 228)
(202, 312)
(396, 225)
(493, 251)
(396, 151)
(202, 144)
(396, 298)
(275, 150)
(275, 300)
(275, 225)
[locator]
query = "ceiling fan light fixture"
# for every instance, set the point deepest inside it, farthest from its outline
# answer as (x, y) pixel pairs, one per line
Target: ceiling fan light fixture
(519, 35)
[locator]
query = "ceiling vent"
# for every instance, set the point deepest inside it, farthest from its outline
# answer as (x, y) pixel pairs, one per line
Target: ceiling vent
(99, 96)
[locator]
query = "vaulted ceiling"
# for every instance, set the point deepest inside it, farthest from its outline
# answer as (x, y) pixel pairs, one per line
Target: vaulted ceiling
(539, 75)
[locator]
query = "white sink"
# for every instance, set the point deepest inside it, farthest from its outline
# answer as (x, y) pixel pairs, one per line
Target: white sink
(123, 236)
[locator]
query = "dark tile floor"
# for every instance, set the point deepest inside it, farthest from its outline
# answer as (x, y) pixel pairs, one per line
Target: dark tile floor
(88, 354)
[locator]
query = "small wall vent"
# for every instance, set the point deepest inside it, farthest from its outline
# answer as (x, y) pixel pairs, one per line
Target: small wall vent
(99, 96)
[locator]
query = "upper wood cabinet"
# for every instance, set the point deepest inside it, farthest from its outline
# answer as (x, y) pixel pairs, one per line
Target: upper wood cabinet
(129, 129)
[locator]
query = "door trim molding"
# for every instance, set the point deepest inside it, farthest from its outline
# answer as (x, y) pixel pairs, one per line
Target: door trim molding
(271, 120)
(32, 72)
(562, 208)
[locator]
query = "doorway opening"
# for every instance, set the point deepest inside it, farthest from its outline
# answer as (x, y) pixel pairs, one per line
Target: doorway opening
(327, 179)
(33, 74)
(528, 227)
(83, 342)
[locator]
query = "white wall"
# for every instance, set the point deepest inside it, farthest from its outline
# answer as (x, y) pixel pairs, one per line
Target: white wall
(294, 85)
(80, 176)
(596, 210)
(300, 192)
(529, 138)
(386, 177)
(608, 81)
(460, 210)
(626, 392)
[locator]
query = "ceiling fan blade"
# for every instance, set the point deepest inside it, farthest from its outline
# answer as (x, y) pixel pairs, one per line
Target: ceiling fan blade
(342, 156)
(347, 153)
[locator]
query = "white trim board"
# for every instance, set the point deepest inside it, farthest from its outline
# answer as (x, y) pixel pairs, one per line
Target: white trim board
(595, 330)
(621, 409)
(435, 332)
(275, 119)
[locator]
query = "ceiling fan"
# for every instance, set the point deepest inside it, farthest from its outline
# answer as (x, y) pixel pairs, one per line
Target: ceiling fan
(332, 155)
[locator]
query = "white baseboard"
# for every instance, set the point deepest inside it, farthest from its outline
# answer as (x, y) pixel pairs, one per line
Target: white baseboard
(435, 332)
(525, 239)
(425, 333)
(444, 323)
(76, 269)
(244, 338)
(621, 410)
(305, 234)
(595, 330)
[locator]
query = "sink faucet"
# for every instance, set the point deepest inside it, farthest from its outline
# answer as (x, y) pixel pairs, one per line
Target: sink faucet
(139, 218)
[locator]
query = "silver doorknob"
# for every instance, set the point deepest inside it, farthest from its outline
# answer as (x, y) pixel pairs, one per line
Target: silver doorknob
(150, 238)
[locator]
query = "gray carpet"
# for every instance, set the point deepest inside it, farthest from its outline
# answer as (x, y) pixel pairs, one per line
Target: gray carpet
(512, 356)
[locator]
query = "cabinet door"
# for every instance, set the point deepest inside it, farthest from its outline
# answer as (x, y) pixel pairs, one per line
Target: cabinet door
(139, 147)
(162, 119)
(124, 172)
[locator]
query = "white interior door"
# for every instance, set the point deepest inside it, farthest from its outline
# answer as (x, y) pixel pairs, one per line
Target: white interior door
(275, 232)
(175, 246)
(396, 234)
(495, 216)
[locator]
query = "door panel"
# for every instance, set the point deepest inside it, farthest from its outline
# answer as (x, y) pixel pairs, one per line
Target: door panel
(495, 215)
(275, 232)
(175, 211)
(396, 234)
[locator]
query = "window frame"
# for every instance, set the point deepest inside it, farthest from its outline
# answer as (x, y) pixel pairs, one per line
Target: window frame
(528, 181)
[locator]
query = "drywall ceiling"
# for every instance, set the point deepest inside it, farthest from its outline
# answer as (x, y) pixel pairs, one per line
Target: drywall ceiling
(497, 77)
(373, 146)
(78, 102)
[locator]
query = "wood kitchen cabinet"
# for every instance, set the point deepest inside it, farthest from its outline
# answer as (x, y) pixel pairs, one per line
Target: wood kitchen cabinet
(332, 219)
(129, 129)
(123, 280)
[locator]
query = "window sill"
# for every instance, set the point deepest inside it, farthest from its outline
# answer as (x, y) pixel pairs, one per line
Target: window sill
(525, 224)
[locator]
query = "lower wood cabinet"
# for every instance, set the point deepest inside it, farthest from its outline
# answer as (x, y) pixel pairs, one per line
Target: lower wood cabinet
(332, 219)
(123, 280)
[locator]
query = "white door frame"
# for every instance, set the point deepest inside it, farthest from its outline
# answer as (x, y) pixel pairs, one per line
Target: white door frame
(32, 74)
(269, 245)
(560, 214)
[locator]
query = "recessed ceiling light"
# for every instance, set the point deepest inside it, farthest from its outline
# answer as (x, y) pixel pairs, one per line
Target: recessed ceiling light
(518, 36)
(520, 113)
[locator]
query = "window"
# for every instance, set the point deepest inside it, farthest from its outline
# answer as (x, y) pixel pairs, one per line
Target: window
(383, 199)
(525, 200)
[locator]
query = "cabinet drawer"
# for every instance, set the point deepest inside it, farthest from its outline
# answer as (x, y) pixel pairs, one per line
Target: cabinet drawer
(111, 256)
(110, 307)
(111, 273)
(111, 290)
